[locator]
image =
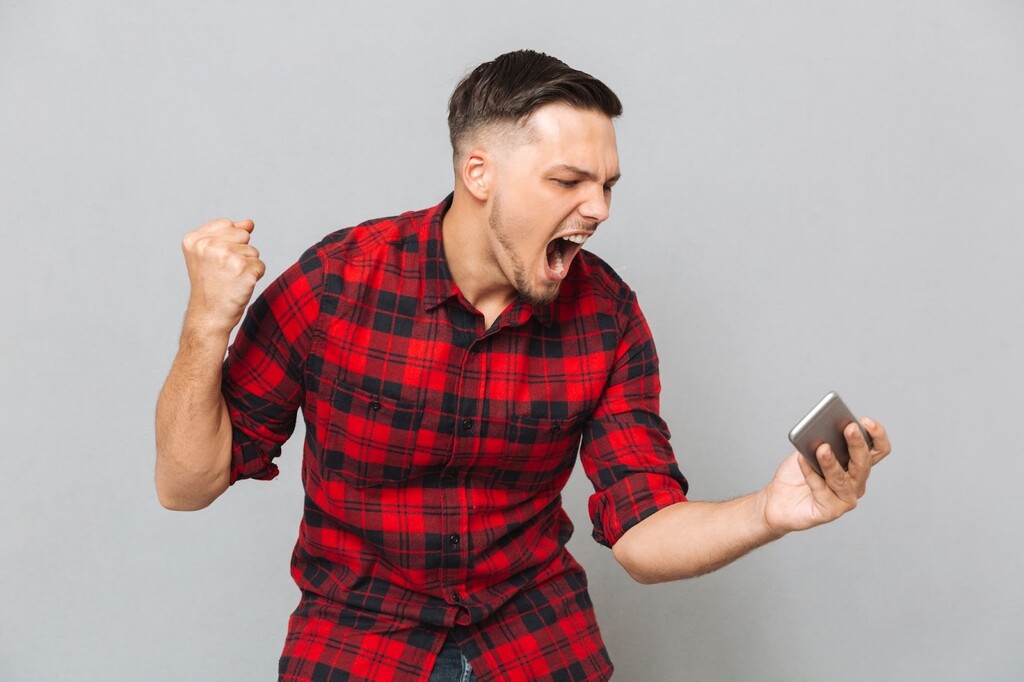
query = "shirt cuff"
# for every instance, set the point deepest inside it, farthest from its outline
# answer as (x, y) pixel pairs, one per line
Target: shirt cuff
(250, 459)
(629, 501)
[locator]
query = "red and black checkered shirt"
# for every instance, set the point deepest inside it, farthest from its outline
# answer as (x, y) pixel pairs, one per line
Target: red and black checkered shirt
(436, 450)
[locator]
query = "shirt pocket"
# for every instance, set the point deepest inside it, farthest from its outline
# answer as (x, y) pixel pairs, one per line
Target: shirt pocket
(370, 439)
(540, 452)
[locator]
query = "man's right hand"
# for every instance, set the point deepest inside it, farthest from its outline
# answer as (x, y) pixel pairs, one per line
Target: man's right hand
(223, 269)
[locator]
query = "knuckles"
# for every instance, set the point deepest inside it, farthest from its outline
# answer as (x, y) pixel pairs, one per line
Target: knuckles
(219, 229)
(216, 224)
(223, 268)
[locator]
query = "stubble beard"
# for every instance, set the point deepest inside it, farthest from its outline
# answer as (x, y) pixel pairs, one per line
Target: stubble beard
(496, 221)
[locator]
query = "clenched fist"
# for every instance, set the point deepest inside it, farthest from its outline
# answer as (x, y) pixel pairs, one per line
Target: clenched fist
(223, 269)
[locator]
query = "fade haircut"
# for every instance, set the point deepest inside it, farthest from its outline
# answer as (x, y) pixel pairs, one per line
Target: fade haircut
(514, 85)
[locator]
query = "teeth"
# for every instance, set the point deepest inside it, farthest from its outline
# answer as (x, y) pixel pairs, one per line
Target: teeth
(558, 264)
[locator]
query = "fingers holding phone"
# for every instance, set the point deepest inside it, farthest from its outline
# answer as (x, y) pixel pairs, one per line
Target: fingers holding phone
(838, 447)
(866, 446)
(848, 482)
(880, 446)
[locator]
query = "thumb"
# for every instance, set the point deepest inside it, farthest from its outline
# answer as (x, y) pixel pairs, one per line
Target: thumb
(246, 224)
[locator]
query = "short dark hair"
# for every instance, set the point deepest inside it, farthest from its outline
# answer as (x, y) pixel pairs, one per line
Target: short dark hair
(514, 85)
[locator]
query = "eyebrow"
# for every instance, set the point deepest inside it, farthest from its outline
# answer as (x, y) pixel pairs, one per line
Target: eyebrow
(565, 168)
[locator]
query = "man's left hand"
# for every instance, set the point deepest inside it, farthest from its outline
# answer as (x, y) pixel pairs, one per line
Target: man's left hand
(798, 498)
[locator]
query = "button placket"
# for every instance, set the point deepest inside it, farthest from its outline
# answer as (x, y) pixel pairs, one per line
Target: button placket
(454, 570)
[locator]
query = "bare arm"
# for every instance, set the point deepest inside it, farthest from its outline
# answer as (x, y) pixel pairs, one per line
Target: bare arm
(193, 431)
(692, 538)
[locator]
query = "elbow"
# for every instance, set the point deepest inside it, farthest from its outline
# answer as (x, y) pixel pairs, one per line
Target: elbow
(176, 502)
(648, 567)
(642, 578)
(633, 562)
(192, 493)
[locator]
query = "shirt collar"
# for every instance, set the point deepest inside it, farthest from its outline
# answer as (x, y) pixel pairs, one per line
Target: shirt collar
(437, 283)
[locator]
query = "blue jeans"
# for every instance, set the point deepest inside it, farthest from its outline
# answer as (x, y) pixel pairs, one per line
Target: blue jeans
(451, 665)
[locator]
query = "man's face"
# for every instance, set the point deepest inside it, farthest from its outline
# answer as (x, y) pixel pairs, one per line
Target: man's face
(555, 183)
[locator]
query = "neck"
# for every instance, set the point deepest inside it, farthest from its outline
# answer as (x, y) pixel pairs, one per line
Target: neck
(470, 256)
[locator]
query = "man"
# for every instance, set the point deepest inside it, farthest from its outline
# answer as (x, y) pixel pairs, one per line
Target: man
(449, 363)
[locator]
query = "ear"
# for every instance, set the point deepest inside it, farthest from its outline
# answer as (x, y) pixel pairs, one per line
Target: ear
(477, 173)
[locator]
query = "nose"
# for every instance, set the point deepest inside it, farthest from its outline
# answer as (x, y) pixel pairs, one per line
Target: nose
(597, 204)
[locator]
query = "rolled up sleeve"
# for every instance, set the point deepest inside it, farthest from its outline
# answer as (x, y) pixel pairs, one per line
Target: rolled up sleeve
(625, 449)
(263, 375)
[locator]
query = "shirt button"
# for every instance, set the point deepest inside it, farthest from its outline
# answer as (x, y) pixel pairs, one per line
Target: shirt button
(467, 424)
(555, 428)
(375, 405)
(456, 597)
(453, 540)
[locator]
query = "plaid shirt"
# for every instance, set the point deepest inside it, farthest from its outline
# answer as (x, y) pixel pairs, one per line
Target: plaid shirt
(436, 451)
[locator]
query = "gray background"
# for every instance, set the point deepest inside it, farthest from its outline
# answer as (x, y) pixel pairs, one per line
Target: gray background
(816, 196)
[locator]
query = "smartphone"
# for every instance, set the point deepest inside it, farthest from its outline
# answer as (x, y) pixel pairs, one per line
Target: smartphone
(825, 424)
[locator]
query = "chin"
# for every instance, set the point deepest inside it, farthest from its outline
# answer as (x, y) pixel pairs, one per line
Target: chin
(541, 296)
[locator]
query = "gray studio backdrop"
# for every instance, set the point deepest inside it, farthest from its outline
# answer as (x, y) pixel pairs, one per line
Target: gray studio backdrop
(816, 196)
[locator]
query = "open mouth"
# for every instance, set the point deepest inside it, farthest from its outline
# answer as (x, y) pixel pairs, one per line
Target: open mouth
(561, 251)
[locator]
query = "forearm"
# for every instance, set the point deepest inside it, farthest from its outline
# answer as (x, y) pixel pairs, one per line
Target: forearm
(692, 538)
(193, 430)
